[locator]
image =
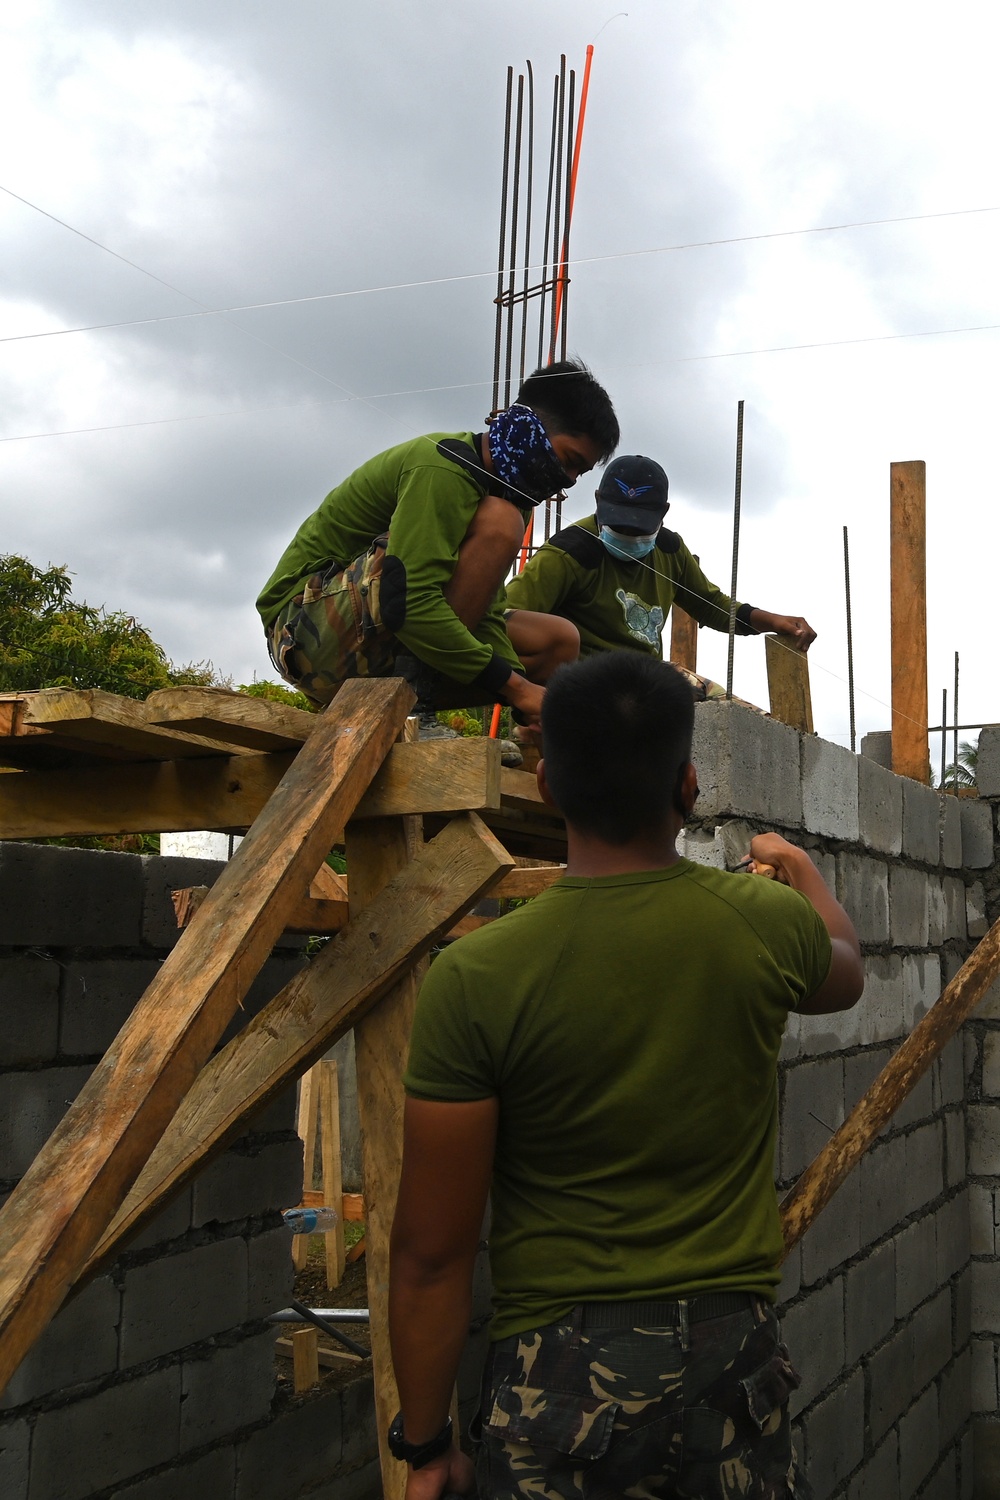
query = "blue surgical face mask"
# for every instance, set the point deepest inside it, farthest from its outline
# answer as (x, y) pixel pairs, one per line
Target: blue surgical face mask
(627, 548)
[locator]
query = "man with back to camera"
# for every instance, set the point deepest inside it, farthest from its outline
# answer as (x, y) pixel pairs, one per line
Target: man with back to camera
(604, 1060)
(615, 574)
(401, 567)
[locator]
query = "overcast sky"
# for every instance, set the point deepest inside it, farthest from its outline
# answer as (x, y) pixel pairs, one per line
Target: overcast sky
(250, 152)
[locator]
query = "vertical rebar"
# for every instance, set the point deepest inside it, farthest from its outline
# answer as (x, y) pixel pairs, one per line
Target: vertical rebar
(527, 220)
(512, 260)
(850, 640)
(561, 314)
(548, 221)
(557, 201)
(944, 734)
(955, 742)
(736, 548)
(501, 258)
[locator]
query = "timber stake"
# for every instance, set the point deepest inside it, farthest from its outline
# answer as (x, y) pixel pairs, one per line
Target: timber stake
(846, 1146)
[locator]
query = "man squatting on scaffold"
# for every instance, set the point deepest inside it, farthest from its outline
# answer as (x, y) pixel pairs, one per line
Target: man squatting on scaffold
(400, 571)
(603, 1061)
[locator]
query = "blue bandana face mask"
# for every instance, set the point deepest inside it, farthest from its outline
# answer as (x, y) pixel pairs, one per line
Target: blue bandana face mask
(627, 548)
(525, 461)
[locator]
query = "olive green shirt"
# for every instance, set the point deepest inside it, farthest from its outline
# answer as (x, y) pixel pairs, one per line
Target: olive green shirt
(617, 604)
(630, 1027)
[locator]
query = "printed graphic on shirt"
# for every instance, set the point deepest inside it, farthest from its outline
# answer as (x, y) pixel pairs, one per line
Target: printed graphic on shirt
(644, 623)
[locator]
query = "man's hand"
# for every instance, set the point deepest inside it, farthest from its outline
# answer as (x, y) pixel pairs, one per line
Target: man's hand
(793, 625)
(775, 858)
(452, 1473)
(526, 697)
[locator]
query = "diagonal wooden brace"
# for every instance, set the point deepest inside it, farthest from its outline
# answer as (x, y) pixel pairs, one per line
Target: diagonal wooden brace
(54, 1218)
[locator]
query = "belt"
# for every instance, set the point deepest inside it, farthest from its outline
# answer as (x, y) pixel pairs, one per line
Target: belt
(664, 1314)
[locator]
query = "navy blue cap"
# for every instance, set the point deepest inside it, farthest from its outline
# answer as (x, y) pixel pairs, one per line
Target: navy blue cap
(633, 492)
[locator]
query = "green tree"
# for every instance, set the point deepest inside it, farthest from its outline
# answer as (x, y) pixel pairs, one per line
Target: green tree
(964, 774)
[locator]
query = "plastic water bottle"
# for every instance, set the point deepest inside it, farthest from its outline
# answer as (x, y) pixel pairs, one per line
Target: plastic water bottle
(310, 1220)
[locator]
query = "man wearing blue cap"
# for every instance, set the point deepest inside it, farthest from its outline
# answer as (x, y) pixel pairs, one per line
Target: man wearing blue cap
(615, 574)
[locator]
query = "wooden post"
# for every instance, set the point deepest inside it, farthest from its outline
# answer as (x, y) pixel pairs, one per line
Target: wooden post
(305, 1358)
(683, 639)
(908, 575)
(307, 1131)
(788, 682)
(375, 852)
(333, 1182)
(846, 1146)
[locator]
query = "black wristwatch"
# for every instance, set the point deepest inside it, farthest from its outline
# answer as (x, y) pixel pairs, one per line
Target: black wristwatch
(417, 1454)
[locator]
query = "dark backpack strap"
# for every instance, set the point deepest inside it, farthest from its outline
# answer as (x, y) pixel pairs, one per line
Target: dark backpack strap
(582, 546)
(668, 541)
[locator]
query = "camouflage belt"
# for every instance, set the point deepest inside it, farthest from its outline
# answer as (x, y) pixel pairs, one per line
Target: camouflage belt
(664, 1314)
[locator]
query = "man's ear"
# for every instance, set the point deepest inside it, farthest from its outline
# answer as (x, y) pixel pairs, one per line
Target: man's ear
(543, 786)
(687, 792)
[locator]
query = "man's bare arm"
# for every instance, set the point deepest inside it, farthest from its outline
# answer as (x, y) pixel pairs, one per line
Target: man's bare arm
(794, 625)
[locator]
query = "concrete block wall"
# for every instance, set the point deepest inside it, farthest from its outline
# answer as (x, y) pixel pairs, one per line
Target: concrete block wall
(156, 1382)
(884, 1301)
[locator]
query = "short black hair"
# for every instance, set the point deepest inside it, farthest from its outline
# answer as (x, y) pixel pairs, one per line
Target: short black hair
(569, 400)
(616, 735)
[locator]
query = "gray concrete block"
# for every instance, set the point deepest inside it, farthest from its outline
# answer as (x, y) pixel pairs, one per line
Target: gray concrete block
(863, 892)
(880, 1009)
(829, 789)
(814, 1332)
(982, 1220)
(986, 1296)
(790, 1045)
(986, 1459)
(160, 876)
(79, 1344)
(977, 833)
(31, 1106)
(169, 1224)
(832, 1032)
(876, 746)
(983, 1128)
(15, 1441)
(278, 971)
(954, 1148)
(227, 1390)
(961, 1315)
(918, 1105)
(860, 1072)
(890, 1371)
(943, 1483)
(983, 1391)
(931, 1339)
(210, 1477)
(702, 846)
(350, 1124)
(919, 1443)
(732, 838)
(29, 1010)
(835, 1435)
(277, 1116)
(921, 819)
(907, 907)
(951, 1074)
(296, 1452)
(99, 995)
(880, 807)
(976, 918)
(916, 1268)
(879, 1479)
(836, 1234)
(748, 765)
(360, 1437)
(271, 1276)
(951, 832)
(237, 1185)
(86, 1447)
(924, 1167)
(68, 897)
(882, 1171)
(988, 763)
(364, 1483)
(921, 986)
(791, 1277)
(954, 1244)
(812, 1107)
(956, 1397)
(869, 1301)
(956, 921)
(182, 1299)
(937, 912)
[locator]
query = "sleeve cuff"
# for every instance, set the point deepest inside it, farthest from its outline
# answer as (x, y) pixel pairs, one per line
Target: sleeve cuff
(743, 626)
(494, 675)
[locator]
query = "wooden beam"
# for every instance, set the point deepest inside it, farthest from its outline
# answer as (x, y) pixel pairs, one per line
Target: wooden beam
(311, 1013)
(305, 1359)
(109, 724)
(69, 1195)
(305, 1124)
(333, 1182)
(528, 880)
(908, 581)
(683, 639)
(788, 682)
(236, 718)
(228, 793)
(908, 1064)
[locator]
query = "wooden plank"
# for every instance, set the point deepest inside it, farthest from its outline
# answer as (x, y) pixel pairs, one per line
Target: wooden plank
(330, 1359)
(788, 682)
(104, 722)
(305, 1124)
(908, 585)
(235, 718)
(528, 880)
(228, 793)
(311, 1013)
(327, 885)
(683, 639)
(305, 1359)
(333, 1182)
(69, 1195)
(908, 1064)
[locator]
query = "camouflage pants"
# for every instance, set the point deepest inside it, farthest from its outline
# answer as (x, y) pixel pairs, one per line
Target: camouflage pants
(333, 630)
(655, 1413)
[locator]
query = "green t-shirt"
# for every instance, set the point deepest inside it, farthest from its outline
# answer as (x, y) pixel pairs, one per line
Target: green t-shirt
(630, 1026)
(424, 498)
(618, 605)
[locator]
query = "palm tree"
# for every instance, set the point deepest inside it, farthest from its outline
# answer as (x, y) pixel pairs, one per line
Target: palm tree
(964, 774)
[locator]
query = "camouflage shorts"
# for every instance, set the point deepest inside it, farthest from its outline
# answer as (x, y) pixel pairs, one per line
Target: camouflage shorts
(333, 630)
(602, 1413)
